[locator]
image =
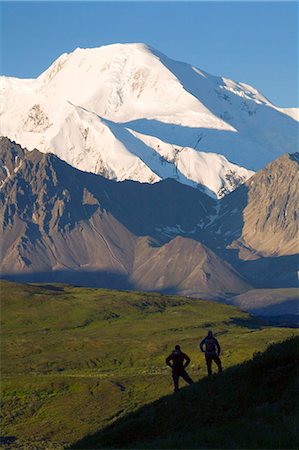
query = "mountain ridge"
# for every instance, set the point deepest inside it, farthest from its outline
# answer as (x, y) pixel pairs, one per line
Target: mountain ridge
(61, 224)
(130, 112)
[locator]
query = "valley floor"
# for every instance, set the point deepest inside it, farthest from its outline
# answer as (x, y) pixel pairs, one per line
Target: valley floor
(76, 359)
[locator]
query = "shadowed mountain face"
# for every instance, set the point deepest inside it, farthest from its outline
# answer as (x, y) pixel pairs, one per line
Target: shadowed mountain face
(61, 224)
(50, 221)
(269, 302)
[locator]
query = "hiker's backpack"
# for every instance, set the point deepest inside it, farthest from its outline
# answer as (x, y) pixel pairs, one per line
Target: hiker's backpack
(211, 346)
(177, 359)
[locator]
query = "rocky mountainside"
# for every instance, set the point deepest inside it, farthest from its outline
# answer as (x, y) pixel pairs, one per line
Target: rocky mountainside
(186, 266)
(61, 224)
(130, 112)
(269, 223)
(256, 228)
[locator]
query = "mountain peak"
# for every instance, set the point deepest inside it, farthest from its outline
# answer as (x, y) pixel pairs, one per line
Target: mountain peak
(126, 111)
(115, 47)
(96, 58)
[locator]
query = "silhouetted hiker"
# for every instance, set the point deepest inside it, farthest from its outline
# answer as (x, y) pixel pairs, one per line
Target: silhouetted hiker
(212, 351)
(177, 357)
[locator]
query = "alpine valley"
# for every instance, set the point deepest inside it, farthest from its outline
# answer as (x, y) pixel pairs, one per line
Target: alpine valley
(121, 168)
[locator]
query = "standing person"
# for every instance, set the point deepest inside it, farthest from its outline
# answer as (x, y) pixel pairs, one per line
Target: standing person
(212, 351)
(176, 360)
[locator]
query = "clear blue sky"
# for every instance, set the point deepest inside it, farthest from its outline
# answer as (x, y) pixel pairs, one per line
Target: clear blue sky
(252, 42)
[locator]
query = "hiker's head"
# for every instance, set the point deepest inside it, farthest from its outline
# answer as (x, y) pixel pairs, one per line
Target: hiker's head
(177, 348)
(210, 334)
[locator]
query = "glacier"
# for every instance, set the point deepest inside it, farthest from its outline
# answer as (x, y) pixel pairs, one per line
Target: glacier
(126, 111)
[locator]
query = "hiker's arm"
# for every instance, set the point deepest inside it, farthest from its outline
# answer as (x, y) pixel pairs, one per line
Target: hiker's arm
(201, 345)
(186, 357)
(218, 347)
(168, 359)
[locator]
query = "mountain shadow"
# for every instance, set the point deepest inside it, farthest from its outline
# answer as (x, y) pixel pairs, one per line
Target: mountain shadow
(199, 138)
(272, 272)
(82, 278)
(251, 405)
(156, 162)
(222, 99)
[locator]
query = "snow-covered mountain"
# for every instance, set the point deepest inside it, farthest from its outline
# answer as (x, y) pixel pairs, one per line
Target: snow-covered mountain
(126, 111)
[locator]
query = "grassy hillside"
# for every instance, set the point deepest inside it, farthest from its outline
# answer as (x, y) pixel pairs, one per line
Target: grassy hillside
(250, 406)
(74, 359)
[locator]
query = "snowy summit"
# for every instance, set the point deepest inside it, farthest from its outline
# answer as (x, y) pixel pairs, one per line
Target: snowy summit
(126, 111)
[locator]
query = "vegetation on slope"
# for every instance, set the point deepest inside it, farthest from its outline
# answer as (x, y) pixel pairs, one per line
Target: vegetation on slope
(73, 359)
(252, 406)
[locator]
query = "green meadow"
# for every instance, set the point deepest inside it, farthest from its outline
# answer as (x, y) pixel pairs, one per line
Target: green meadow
(75, 360)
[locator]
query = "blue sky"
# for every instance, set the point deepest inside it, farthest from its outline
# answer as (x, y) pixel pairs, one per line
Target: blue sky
(252, 42)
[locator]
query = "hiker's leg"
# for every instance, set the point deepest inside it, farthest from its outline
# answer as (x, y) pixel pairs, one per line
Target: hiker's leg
(209, 364)
(175, 377)
(218, 362)
(186, 377)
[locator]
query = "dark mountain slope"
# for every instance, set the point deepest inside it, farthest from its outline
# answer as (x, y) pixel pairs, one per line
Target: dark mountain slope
(250, 406)
(61, 224)
(140, 207)
(270, 302)
(50, 221)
